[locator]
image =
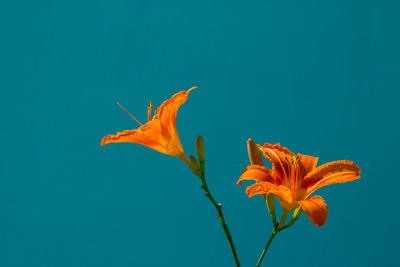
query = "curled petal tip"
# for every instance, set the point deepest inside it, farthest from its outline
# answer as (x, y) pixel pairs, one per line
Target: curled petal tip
(102, 142)
(188, 91)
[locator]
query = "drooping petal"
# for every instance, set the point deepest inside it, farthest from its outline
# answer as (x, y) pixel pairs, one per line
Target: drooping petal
(307, 163)
(340, 171)
(166, 113)
(133, 136)
(280, 158)
(256, 173)
(280, 191)
(316, 209)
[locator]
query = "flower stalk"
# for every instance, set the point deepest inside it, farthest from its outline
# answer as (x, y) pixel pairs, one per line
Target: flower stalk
(266, 247)
(217, 206)
(278, 227)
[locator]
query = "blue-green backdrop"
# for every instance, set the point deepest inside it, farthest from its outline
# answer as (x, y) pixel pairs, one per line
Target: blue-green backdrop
(320, 77)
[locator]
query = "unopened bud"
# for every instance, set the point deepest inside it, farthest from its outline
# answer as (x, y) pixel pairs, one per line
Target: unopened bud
(254, 153)
(271, 206)
(200, 150)
(296, 215)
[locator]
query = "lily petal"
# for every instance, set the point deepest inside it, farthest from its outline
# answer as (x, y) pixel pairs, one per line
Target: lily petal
(256, 173)
(280, 158)
(133, 136)
(169, 108)
(280, 191)
(308, 163)
(316, 210)
(340, 171)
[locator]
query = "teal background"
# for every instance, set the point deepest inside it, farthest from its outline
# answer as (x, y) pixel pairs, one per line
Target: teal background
(320, 77)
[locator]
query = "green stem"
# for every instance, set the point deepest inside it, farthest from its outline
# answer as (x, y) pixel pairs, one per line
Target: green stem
(277, 228)
(266, 247)
(221, 218)
(200, 173)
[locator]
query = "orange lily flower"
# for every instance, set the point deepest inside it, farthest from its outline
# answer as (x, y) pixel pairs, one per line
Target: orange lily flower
(294, 178)
(159, 133)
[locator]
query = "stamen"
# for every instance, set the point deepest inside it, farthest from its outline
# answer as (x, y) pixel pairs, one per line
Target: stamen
(129, 113)
(149, 111)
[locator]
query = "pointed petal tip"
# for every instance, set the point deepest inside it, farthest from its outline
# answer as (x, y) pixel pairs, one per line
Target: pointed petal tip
(193, 88)
(104, 141)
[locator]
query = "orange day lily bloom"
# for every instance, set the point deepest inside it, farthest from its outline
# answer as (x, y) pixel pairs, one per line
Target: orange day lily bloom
(294, 178)
(159, 133)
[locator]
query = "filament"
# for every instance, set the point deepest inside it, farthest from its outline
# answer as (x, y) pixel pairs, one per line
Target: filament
(129, 113)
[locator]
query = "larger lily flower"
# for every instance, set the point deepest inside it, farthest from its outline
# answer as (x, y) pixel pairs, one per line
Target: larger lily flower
(294, 178)
(159, 133)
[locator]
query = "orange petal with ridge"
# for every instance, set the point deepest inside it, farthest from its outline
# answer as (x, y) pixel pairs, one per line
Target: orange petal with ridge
(166, 113)
(133, 136)
(307, 163)
(280, 191)
(256, 173)
(315, 209)
(153, 135)
(340, 171)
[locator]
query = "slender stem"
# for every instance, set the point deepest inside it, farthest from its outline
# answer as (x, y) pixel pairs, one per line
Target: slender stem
(266, 248)
(277, 228)
(221, 218)
(200, 173)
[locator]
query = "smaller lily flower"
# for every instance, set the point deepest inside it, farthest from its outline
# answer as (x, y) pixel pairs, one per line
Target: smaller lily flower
(159, 133)
(294, 178)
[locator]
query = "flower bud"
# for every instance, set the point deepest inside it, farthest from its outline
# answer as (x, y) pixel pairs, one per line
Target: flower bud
(256, 159)
(271, 205)
(200, 150)
(254, 153)
(296, 215)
